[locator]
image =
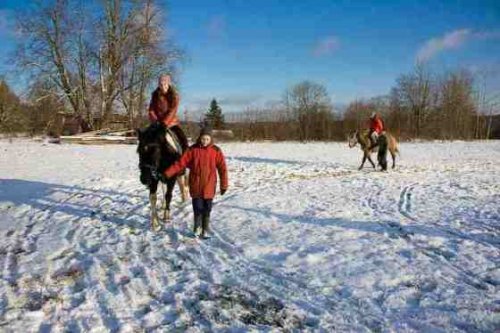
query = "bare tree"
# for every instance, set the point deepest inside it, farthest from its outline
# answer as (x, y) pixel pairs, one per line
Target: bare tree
(414, 92)
(492, 105)
(96, 53)
(46, 47)
(147, 58)
(309, 103)
(44, 105)
(456, 107)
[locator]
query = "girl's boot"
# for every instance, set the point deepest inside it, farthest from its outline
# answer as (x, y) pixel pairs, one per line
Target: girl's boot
(205, 233)
(197, 225)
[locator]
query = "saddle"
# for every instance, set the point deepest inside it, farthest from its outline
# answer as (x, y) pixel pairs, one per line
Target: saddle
(173, 141)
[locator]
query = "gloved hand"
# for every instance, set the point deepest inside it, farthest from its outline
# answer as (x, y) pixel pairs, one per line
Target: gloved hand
(222, 191)
(157, 175)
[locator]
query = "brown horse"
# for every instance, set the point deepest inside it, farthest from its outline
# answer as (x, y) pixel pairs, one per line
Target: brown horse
(362, 137)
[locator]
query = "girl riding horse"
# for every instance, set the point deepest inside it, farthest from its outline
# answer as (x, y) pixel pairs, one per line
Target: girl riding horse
(163, 109)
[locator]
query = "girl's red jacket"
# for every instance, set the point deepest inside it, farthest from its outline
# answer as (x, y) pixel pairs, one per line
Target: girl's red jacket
(203, 163)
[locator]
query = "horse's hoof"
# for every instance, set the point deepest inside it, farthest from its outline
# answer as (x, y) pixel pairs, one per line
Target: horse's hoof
(166, 216)
(155, 225)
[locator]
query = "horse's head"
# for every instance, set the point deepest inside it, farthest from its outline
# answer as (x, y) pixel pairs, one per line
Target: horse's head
(352, 139)
(150, 149)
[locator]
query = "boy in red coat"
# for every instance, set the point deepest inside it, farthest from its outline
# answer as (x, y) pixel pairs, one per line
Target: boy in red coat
(203, 159)
(376, 128)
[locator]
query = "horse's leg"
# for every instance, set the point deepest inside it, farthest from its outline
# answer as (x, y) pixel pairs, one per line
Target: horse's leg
(370, 160)
(181, 180)
(168, 199)
(155, 225)
(363, 161)
(393, 154)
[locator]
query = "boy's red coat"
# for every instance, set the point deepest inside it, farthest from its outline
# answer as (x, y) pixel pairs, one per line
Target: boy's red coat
(203, 163)
(376, 125)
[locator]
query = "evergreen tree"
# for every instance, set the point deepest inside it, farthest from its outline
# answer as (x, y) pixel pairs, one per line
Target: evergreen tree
(214, 117)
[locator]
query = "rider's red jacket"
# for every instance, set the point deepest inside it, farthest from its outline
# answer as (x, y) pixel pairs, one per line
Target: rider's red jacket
(376, 125)
(164, 109)
(203, 163)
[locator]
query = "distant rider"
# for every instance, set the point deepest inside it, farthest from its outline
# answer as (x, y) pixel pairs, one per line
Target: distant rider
(376, 128)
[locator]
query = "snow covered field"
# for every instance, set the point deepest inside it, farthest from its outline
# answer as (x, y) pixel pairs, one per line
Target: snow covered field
(304, 242)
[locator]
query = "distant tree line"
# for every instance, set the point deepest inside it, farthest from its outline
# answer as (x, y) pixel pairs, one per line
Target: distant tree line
(305, 114)
(420, 105)
(427, 106)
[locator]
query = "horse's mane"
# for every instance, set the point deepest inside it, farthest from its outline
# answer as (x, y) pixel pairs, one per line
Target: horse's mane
(151, 134)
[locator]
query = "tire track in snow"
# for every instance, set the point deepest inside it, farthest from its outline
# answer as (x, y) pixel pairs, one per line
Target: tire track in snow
(405, 201)
(435, 254)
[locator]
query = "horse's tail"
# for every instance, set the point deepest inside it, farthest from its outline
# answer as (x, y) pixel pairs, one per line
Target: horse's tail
(397, 148)
(393, 144)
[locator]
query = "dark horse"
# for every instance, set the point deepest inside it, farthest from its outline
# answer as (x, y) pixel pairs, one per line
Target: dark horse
(158, 149)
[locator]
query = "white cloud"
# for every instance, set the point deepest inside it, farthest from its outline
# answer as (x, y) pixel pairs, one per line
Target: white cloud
(326, 46)
(452, 40)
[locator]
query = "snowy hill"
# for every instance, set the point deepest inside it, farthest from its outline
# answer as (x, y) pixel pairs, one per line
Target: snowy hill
(304, 242)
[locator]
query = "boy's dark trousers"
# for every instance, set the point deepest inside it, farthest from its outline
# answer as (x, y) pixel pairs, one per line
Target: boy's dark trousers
(202, 208)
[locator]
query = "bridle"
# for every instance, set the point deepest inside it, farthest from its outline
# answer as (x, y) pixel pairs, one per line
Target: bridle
(143, 165)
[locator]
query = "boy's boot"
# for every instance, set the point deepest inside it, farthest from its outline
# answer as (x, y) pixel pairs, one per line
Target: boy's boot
(205, 233)
(197, 224)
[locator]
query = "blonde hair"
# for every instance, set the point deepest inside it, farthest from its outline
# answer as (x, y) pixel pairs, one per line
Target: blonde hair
(162, 76)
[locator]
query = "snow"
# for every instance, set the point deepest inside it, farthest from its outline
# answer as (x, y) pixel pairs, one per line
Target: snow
(303, 241)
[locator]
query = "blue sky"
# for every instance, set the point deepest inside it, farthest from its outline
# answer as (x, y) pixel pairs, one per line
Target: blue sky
(248, 52)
